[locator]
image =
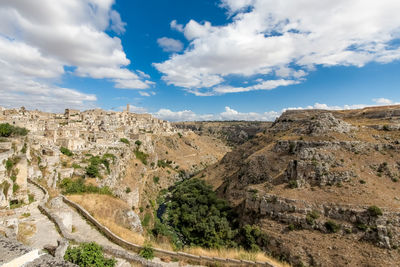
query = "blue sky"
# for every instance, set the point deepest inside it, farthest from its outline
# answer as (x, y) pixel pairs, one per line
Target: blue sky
(196, 60)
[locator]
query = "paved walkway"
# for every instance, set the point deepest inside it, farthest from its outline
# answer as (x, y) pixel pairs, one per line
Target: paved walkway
(46, 233)
(82, 229)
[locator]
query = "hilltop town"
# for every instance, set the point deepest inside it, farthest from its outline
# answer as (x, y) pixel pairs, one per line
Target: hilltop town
(118, 160)
(93, 131)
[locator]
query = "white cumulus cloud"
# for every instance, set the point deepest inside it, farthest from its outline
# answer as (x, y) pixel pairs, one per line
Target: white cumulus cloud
(282, 39)
(383, 101)
(169, 44)
(38, 39)
(232, 114)
(228, 114)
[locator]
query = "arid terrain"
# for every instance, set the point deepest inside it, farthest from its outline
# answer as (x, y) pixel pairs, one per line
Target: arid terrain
(324, 186)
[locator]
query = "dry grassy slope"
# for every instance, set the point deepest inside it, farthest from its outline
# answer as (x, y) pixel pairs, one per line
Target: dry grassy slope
(344, 157)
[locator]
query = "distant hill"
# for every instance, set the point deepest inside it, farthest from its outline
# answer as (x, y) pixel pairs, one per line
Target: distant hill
(232, 132)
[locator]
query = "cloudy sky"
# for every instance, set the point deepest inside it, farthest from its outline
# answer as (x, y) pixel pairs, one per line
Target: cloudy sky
(199, 60)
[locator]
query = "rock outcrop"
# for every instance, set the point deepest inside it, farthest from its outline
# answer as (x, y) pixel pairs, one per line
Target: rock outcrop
(320, 178)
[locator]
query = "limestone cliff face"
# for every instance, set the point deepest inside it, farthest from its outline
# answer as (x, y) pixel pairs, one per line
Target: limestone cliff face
(320, 177)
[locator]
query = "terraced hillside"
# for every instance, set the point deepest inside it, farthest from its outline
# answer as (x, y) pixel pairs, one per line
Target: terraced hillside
(324, 185)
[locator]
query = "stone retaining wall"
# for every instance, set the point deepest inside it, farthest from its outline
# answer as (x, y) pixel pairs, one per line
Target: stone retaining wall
(46, 194)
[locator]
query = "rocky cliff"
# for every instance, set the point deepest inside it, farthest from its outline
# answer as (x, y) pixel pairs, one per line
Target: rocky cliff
(322, 184)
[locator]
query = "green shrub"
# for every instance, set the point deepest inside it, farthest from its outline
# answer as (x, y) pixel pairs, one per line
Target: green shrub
(78, 186)
(92, 171)
(293, 184)
(5, 186)
(95, 161)
(251, 237)
(31, 198)
(156, 179)
(7, 130)
(160, 229)
(386, 127)
(125, 141)
(147, 252)
(9, 165)
(146, 220)
(141, 156)
(138, 142)
(374, 211)
(87, 255)
(312, 216)
(109, 155)
(164, 163)
(66, 151)
(15, 187)
(332, 227)
(361, 226)
(128, 190)
(76, 166)
(15, 204)
(24, 148)
(362, 181)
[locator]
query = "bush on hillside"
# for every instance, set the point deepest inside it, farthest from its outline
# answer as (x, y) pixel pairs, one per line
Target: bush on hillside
(375, 211)
(95, 161)
(147, 252)
(125, 141)
(138, 142)
(78, 186)
(141, 156)
(88, 254)
(7, 130)
(66, 151)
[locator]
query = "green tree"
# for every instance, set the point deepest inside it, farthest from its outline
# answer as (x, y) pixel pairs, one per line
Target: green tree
(199, 216)
(7, 130)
